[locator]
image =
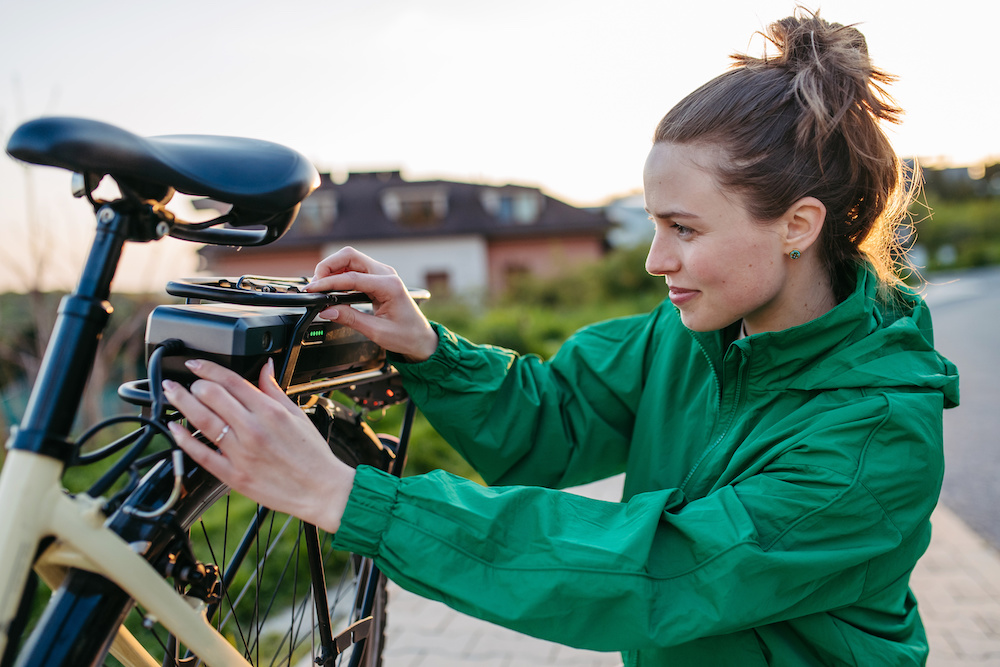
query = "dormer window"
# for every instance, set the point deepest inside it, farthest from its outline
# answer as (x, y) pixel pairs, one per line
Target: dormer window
(416, 207)
(512, 206)
(317, 212)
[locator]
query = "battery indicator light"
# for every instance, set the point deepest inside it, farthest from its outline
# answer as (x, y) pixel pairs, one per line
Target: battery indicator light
(315, 334)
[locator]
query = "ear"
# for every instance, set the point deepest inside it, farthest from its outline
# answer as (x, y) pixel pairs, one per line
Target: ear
(803, 223)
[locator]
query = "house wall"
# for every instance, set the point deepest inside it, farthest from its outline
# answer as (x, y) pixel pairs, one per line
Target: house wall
(463, 259)
(539, 257)
(287, 264)
(472, 265)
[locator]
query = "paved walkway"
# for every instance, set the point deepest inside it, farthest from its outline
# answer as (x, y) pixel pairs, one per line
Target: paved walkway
(957, 584)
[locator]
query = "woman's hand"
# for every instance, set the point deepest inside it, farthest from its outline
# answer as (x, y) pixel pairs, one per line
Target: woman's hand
(268, 449)
(396, 322)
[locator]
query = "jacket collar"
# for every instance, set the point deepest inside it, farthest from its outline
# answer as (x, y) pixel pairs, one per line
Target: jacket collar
(867, 340)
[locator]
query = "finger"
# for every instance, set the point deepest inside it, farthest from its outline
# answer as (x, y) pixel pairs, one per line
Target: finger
(378, 286)
(364, 323)
(225, 390)
(384, 291)
(345, 259)
(201, 415)
(212, 460)
(270, 387)
(409, 334)
(348, 259)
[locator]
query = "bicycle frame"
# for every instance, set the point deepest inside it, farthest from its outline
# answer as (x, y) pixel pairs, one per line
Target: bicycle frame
(82, 541)
(30, 482)
(74, 530)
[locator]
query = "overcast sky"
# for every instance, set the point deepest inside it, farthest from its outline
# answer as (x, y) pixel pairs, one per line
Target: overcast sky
(559, 94)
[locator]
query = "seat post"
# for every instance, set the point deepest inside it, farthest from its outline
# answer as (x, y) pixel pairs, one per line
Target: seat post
(72, 349)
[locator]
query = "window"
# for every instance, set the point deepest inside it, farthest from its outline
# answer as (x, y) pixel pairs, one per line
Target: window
(512, 206)
(416, 207)
(438, 283)
(514, 273)
(317, 212)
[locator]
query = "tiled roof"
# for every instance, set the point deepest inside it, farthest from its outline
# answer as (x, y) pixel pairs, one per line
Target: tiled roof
(362, 215)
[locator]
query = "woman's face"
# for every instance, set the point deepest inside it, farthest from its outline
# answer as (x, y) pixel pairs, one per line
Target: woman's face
(720, 265)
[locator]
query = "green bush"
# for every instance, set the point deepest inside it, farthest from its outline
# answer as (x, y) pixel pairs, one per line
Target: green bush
(535, 316)
(960, 233)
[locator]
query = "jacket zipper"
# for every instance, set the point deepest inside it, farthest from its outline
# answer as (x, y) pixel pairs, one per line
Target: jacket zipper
(737, 400)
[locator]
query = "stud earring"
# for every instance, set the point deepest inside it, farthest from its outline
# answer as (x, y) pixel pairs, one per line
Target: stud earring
(795, 254)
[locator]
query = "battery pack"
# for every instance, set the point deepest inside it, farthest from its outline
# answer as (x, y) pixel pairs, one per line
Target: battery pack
(244, 337)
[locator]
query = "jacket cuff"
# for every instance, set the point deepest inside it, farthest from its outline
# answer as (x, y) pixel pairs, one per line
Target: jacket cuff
(439, 365)
(368, 510)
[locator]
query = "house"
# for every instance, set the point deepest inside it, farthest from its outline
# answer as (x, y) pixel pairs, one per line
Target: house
(631, 221)
(449, 237)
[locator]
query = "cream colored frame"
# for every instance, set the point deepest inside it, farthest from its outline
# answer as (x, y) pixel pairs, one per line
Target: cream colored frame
(35, 506)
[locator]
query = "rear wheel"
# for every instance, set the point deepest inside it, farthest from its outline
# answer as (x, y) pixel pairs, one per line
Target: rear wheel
(267, 610)
(268, 578)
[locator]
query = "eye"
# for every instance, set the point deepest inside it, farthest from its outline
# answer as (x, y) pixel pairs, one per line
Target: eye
(667, 222)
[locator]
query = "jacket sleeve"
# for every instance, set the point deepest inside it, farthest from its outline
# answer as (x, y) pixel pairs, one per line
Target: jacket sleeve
(790, 540)
(521, 420)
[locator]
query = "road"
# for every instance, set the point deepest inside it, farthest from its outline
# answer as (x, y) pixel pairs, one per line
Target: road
(966, 312)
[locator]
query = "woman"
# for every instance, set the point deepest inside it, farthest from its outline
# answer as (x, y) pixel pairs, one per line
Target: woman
(778, 417)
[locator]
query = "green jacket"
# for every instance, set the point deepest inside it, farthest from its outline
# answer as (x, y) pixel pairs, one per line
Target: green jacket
(777, 493)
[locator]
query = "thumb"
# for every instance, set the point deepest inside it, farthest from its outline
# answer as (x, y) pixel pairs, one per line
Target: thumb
(363, 323)
(270, 387)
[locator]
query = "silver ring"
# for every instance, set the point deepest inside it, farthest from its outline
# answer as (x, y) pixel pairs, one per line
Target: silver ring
(225, 430)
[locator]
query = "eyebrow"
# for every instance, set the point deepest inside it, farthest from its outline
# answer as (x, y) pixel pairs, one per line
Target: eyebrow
(666, 215)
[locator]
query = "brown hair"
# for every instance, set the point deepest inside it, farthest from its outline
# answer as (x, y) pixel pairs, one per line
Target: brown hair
(806, 122)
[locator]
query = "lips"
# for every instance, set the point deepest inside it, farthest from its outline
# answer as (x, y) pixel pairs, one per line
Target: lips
(679, 295)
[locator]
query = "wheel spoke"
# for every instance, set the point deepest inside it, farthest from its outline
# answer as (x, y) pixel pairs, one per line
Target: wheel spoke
(266, 584)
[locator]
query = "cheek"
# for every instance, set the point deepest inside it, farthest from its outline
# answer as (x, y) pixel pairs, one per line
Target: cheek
(745, 270)
(759, 273)
(725, 263)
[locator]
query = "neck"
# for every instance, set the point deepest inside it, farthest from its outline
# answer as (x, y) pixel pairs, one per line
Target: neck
(807, 294)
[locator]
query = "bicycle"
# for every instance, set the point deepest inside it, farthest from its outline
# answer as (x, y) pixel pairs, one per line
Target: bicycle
(129, 572)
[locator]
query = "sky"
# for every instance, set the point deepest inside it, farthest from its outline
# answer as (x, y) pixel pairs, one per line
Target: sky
(558, 94)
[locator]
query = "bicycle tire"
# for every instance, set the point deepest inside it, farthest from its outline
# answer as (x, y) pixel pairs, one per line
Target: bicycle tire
(83, 616)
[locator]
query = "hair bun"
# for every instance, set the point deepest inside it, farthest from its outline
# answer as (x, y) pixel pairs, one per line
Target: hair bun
(833, 76)
(805, 41)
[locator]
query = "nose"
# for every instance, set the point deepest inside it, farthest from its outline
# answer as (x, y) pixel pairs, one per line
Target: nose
(662, 258)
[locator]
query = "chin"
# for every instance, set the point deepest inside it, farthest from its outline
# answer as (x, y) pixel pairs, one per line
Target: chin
(704, 325)
(697, 324)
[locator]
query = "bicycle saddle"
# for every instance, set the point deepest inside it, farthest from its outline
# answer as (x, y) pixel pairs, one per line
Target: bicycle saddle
(250, 174)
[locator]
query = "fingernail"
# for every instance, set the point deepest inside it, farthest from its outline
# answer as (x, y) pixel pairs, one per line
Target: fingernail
(193, 364)
(270, 366)
(170, 386)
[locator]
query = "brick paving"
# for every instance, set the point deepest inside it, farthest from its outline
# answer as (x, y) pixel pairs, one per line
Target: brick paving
(957, 584)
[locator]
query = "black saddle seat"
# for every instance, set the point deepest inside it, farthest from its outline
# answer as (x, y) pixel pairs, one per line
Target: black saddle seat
(249, 173)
